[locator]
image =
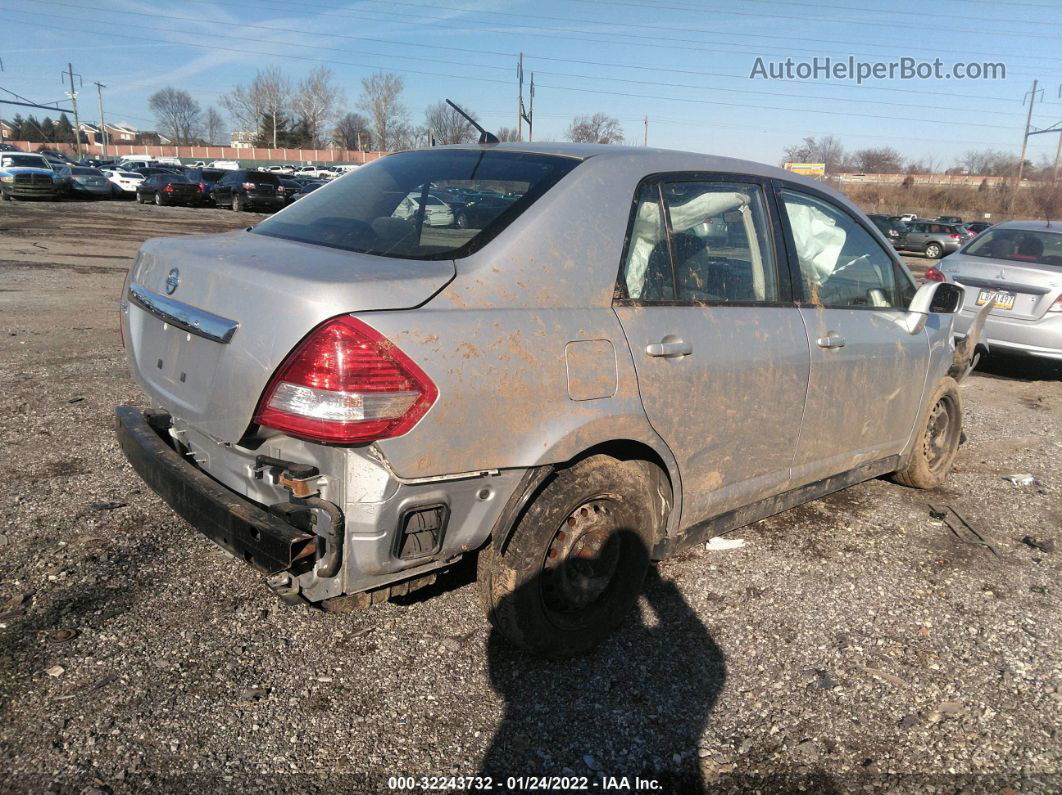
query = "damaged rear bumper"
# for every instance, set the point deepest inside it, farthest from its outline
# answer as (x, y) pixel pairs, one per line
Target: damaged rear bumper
(233, 522)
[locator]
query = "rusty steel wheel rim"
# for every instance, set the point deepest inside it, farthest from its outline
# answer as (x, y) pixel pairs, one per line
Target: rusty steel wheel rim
(580, 563)
(940, 433)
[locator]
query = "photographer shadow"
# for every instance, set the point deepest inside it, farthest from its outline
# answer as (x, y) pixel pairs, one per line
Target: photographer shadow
(636, 706)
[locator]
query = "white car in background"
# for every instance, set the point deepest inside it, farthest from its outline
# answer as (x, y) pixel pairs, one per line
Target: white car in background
(124, 183)
(436, 211)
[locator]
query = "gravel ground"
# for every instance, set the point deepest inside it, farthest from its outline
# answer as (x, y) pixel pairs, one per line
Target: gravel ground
(853, 641)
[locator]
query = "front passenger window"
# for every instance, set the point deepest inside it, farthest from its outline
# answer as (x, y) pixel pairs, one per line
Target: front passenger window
(841, 264)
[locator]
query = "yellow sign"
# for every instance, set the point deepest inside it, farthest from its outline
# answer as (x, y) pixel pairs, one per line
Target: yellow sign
(807, 169)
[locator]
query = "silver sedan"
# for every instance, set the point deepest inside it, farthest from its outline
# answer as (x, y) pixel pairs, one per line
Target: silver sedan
(1021, 263)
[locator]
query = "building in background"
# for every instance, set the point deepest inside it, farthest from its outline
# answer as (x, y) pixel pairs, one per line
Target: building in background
(242, 139)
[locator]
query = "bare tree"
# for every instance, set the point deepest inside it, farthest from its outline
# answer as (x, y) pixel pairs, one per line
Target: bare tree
(261, 103)
(988, 162)
(508, 134)
(177, 114)
(884, 160)
(597, 129)
(381, 99)
(352, 132)
(826, 150)
(316, 101)
(448, 126)
(274, 92)
(213, 126)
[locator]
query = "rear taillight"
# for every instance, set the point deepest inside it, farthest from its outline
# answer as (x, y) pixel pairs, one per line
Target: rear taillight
(346, 384)
(168, 188)
(934, 275)
(201, 187)
(955, 236)
(1056, 306)
(249, 186)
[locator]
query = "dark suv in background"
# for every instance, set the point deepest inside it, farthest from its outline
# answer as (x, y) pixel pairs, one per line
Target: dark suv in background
(248, 190)
(207, 179)
(893, 228)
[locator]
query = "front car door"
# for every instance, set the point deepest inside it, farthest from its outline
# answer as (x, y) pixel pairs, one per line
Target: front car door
(718, 346)
(868, 371)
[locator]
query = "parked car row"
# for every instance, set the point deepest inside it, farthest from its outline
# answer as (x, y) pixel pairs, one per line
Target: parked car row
(239, 190)
(935, 238)
(324, 172)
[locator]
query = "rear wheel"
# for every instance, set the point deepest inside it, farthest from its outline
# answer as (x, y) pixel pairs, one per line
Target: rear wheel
(462, 221)
(158, 199)
(237, 203)
(575, 562)
(940, 430)
(934, 250)
(5, 196)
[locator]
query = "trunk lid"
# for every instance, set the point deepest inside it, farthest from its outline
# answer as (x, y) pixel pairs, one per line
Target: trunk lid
(1034, 287)
(273, 291)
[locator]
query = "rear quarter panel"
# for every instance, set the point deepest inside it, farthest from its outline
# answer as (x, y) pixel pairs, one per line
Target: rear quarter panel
(530, 359)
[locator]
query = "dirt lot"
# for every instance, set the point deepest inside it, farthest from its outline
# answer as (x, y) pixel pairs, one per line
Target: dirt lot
(854, 640)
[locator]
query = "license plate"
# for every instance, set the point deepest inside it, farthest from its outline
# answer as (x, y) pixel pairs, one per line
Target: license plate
(1003, 300)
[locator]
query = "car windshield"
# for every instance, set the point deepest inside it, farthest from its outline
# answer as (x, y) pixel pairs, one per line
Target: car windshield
(370, 210)
(128, 174)
(1018, 245)
(81, 171)
(23, 161)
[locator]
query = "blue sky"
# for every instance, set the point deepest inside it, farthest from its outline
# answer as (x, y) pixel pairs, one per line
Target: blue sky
(684, 64)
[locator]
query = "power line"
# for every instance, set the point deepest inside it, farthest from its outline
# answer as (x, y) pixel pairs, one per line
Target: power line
(805, 19)
(670, 28)
(665, 42)
(760, 92)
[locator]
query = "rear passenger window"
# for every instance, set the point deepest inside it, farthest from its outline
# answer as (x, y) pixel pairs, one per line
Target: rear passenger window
(647, 271)
(707, 242)
(841, 265)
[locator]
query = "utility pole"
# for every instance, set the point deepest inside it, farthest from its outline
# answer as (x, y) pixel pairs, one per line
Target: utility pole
(520, 99)
(71, 74)
(103, 123)
(1058, 154)
(645, 138)
(1025, 138)
(529, 117)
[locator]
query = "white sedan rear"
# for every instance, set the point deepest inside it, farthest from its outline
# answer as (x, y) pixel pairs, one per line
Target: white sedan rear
(125, 182)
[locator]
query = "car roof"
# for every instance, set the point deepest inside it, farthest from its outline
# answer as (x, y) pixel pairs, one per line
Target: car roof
(662, 160)
(1031, 226)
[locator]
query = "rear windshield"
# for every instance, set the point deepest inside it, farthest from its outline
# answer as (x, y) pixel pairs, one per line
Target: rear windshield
(167, 178)
(212, 173)
(86, 172)
(383, 208)
(1018, 245)
(261, 178)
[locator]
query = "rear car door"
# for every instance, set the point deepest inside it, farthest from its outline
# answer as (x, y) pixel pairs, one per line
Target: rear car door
(867, 371)
(916, 236)
(225, 187)
(718, 346)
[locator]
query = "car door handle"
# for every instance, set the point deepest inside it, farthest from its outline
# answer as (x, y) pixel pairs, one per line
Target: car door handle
(673, 348)
(833, 341)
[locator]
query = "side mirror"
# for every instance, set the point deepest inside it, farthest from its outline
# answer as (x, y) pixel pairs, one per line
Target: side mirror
(942, 298)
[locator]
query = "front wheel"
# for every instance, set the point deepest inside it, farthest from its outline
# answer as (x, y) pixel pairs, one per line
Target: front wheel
(933, 250)
(939, 432)
(462, 221)
(575, 562)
